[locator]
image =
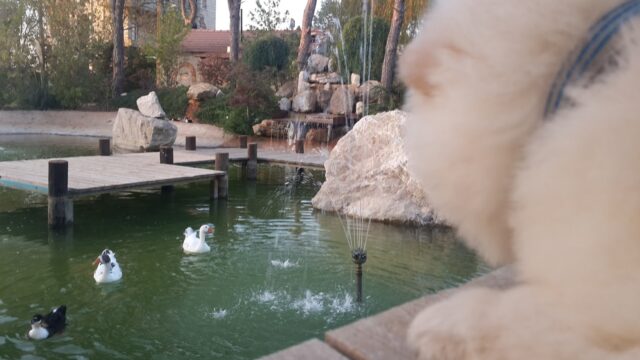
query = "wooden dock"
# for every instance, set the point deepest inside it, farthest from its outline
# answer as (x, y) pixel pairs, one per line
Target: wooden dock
(91, 175)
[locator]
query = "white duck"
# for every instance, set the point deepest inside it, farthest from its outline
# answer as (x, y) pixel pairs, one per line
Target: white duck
(108, 268)
(194, 242)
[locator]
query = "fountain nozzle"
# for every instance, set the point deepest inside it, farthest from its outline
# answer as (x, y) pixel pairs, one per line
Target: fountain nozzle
(359, 256)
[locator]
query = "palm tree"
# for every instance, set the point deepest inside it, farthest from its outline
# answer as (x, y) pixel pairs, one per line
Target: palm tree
(305, 37)
(234, 25)
(117, 84)
(391, 50)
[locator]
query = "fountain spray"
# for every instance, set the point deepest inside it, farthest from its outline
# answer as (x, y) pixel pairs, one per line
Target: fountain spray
(357, 233)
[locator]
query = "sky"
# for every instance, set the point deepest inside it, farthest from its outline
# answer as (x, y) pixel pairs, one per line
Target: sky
(295, 7)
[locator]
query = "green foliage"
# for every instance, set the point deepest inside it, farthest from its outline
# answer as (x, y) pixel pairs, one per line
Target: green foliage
(267, 15)
(166, 47)
(354, 51)
(332, 10)
(139, 70)
(174, 101)
(267, 52)
(248, 100)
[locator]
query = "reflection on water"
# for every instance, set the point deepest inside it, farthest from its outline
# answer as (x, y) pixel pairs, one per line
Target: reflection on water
(278, 272)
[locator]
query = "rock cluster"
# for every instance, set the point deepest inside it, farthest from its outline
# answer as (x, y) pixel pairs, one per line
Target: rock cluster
(320, 89)
(144, 130)
(367, 176)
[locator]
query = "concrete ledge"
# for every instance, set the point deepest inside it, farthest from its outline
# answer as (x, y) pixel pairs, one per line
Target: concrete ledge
(383, 336)
(95, 124)
(308, 350)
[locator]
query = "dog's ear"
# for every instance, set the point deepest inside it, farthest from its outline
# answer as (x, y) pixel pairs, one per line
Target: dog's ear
(414, 66)
(422, 57)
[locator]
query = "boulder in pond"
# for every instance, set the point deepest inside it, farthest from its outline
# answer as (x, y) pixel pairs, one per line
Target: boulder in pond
(367, 176)
(134, 132)
(149, 105)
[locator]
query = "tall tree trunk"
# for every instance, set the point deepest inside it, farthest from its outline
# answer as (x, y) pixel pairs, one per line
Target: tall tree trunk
(44, 80)
(391, 49)
(117, 80)
(188, 20)
(159, 14)
(234, 26)
(305, 37)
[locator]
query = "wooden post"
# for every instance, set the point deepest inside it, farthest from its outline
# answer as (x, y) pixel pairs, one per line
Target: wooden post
(60, 211)
(166, 157)
(190, 143)
(299, 146)
(243, 141)
(104, 147)
(252, 162)
(222, 182)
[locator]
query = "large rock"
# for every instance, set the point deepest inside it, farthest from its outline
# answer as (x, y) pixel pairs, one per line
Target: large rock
(202, 91)
(303, 81)
(342, 101)
(284, 104)
(149, 105)
(317, 63)
(305, 102)
(366, 174)
(135, 132)
(372, 91)
(324, 98)
(287, 89)
(324, 78)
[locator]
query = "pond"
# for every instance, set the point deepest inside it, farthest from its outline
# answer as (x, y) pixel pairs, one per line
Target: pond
(279, 271)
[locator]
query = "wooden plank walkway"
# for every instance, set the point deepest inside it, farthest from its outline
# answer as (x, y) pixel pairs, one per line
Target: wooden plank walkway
(90, 175)
(383, 336)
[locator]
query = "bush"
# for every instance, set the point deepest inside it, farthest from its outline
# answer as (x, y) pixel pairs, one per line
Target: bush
(139, 70)
(353, 46)
(269, 51)
(215, 70)
(174, 101)
(247, 101)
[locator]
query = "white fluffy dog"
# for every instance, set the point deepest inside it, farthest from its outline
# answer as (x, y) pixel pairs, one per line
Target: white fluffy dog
(559, 196)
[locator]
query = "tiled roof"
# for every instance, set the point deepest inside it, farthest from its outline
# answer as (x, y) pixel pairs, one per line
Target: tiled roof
(206, 41)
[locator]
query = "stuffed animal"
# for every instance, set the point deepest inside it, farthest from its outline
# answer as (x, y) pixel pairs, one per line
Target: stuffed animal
(524, 130)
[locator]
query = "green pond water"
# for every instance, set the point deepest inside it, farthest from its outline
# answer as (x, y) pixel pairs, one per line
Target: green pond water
(279, 271)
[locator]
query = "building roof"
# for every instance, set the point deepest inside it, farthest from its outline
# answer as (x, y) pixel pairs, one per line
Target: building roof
(203, 41)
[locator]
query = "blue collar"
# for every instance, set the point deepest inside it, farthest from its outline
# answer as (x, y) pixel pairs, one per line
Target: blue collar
(590, 57)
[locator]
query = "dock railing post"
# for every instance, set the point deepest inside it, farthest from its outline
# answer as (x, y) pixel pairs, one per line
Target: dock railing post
(222, 182)
(190, 143)
(104, 147)
(252, 161)
(166, 157)
(243, 141)
(60, 211)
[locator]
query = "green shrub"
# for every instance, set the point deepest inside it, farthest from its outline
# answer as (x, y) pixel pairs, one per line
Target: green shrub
(174, 101)
(139, 70)
(353, 47)
(247, 101)
(269, 51)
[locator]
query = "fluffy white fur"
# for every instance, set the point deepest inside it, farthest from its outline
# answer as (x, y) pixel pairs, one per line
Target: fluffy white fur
(560, 198)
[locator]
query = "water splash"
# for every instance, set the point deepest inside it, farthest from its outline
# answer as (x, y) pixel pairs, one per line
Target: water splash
(217, 313)
(284, 264)
(311, 303)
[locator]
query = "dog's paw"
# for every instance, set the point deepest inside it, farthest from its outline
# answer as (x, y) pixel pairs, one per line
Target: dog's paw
(455, 328)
